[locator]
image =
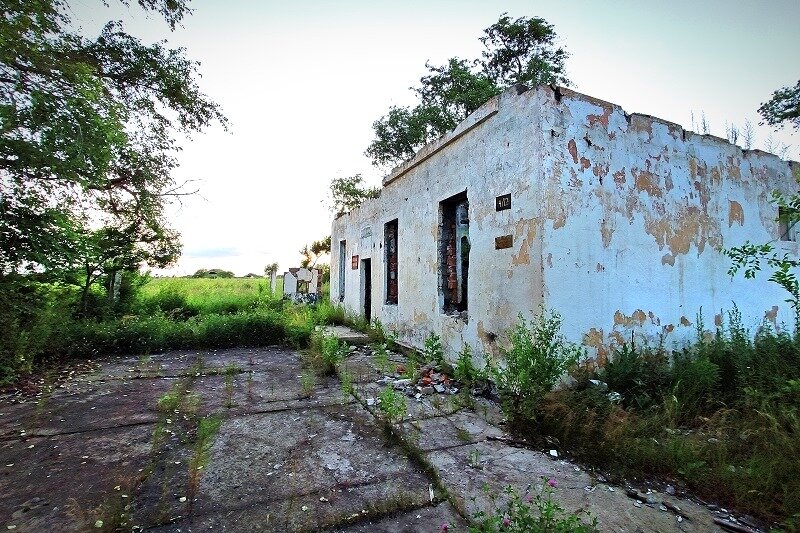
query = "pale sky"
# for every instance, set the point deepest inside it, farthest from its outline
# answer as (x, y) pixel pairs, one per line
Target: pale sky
(302, 82)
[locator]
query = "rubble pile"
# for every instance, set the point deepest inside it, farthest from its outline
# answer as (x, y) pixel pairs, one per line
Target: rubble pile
(431, 380)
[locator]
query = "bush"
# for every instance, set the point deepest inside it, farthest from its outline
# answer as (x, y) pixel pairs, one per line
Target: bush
(433, 352)
(465, 370)
(539, 356)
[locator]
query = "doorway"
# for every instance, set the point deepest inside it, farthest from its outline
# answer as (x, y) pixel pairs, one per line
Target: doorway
(366, 271)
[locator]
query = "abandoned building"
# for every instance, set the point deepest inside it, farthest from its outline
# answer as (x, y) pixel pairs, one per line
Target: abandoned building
(547, 198)
(302, 285)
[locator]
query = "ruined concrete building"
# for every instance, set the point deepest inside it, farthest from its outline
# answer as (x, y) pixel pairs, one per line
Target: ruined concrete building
(302, 285)
(547, 197)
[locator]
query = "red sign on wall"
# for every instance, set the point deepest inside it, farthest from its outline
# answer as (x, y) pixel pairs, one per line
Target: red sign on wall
(354, 265)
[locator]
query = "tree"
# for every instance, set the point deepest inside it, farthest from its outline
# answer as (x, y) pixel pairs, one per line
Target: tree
(348, 193)
(783, 107)
(523, 51)
(520, 51)
(106, 251)
(311, 254)
(87, 138)
(271, 269)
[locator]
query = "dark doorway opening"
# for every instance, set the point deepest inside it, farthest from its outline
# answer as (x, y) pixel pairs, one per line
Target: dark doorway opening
(366, 271)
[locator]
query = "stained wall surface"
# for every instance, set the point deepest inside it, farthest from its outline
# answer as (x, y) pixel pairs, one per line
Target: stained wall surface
(616, 221)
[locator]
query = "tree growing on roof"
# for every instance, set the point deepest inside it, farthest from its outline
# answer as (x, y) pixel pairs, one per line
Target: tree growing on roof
(517, 51)
(348, 193)
(783, 107)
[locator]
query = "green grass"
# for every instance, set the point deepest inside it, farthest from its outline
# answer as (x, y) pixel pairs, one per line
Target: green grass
(722, 416)
(202, 296)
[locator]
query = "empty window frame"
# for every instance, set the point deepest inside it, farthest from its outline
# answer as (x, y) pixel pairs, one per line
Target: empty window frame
(787, 223)
(390, 252)
(454, 248)
(342, 267)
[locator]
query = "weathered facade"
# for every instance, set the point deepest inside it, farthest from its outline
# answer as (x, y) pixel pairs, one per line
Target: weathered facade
(302, 285)
(547, 197)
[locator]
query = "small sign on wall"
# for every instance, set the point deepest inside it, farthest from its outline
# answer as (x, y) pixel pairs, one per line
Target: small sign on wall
(354, 264)
(501, 203)
(501, 243)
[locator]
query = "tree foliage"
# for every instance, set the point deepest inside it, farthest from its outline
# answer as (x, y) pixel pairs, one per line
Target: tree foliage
(348, 193)
(87, 139)
(517, 51)
(783, 107)
(271, 270)
(313, 252)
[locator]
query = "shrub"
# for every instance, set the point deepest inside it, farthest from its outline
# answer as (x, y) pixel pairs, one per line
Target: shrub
(538, 357)
(432, 351)
(392, 404)
(640, 376)
(464, 370)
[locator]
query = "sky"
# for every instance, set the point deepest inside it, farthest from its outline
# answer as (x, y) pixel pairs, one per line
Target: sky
(302, 82)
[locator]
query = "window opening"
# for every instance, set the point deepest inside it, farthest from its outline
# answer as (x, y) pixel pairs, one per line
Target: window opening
(454, 250)
(390, 247)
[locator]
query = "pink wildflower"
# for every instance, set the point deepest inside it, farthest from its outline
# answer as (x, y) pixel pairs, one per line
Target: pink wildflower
(445, 527)
(551, 482)
(506, 521)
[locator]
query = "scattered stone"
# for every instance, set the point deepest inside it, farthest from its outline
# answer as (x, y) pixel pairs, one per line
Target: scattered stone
(670, 490)
(439, 388)
(614, 397)
(427, 390)
(370, 402)
(603, 386)
(553, 453)
(662, 507)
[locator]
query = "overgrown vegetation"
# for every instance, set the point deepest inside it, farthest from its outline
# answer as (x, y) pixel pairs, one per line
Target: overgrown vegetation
(43, 321)
(534, 512)
(721, 416)
(537, 358)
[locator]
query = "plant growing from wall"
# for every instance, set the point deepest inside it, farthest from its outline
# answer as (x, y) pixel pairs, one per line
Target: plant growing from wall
(465, 370)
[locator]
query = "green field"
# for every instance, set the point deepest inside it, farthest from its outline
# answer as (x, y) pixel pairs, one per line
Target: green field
(204, 296)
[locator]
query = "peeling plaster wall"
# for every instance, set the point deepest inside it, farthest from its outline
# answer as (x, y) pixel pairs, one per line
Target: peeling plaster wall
(637, 211)
(616, 222)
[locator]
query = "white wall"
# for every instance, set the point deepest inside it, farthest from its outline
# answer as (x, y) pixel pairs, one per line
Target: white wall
(637, 252)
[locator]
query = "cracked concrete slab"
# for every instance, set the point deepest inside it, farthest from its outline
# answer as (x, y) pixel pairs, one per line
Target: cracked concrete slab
(286, 456)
